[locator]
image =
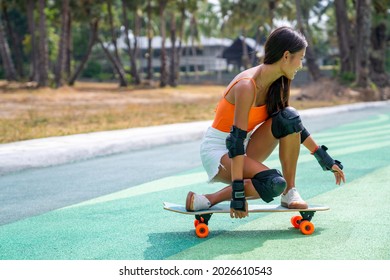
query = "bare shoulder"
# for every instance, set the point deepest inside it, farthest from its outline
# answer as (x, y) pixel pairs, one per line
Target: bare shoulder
(244, 89)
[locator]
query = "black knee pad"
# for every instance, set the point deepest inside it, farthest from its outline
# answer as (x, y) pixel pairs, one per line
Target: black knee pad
(285, 122)
(269, 184)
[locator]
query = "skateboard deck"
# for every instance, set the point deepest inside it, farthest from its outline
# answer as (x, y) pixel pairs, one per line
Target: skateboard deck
(302, 222)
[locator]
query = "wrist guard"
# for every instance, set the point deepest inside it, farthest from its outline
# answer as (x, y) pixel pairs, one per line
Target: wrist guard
(235, 142)
(325, 160)
(238, 196)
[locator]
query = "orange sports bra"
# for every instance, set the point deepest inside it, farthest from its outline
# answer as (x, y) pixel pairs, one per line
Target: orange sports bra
(224, 113)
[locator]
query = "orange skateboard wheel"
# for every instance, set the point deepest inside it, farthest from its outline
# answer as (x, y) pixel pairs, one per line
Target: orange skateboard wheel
(202, 230)
(295, 221)
(306, 227)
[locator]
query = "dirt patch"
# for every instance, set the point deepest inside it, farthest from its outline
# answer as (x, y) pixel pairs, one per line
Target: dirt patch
(93, 97)
(27, 112)
(330, 90)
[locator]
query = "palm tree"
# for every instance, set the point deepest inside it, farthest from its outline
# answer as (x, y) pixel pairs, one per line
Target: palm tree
(302, 20)
(113, 32)
(30, 7)
(149, 34)
(115, 63)
(238, 18)
(108, 29)
(250, 18)
(345, 38)
(61, 62)
(378, 43)
(363, 28)
(43, 60)
(12, 24)
(9, 67)
(163, 71)
(172, 79)
(132, 51)
(86, 13)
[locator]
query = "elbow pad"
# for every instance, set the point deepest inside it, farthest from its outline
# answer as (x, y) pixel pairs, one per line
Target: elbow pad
(235, 142)
(285, 122)
(304, 134)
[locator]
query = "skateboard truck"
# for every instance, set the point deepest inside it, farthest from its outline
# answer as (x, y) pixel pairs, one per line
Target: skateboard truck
(307, 215)
(203, 218)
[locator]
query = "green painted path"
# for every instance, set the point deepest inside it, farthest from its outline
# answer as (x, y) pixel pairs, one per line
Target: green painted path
(131, 224)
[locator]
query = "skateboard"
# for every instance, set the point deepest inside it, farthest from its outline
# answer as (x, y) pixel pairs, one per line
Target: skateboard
(302, 222)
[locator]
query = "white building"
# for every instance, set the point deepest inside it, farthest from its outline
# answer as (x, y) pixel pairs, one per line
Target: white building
(208, 55)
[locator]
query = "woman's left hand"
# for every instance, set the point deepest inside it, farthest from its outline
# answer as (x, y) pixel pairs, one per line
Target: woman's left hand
(338, 174)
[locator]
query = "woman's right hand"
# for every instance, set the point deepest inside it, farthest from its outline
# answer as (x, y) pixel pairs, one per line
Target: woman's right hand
(238, 214)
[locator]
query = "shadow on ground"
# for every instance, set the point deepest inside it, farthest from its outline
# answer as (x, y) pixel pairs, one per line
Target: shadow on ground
(219, 242)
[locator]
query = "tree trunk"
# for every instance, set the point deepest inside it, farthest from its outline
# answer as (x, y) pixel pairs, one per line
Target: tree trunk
(271, 10)
(115, 59)
(181, 38)
(363, 28)
(9, 67)
(91, 43)
(43, 60)
(172, 65)
(163, 70)
(310, 54)
(30, 7)
(116, 64)
(112, 29)
(378, 47)
(149, 69)
(15, 42)
(345, 38)
(137, 27)
(193, 31)
(68, 44)
(133, 63)
(61, 62)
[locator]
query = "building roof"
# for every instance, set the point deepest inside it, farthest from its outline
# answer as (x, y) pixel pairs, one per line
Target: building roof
(157, 40)
(235, 50)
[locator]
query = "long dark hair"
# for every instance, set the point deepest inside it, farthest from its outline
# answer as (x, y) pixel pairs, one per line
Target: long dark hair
(280, 40)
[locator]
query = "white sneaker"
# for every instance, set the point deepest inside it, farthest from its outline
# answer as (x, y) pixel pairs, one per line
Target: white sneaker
(196, 202)
(293, 200)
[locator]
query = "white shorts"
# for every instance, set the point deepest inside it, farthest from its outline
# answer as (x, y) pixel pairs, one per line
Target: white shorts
(212, 149)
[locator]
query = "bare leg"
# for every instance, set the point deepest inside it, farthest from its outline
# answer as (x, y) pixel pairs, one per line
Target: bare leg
(289, 148)
(288, 153)
(225, 194)
(262, 142)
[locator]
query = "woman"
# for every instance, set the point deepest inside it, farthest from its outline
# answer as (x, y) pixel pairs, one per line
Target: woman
(251, 119)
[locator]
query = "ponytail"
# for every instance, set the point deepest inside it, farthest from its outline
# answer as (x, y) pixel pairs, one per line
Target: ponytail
(278, 95)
